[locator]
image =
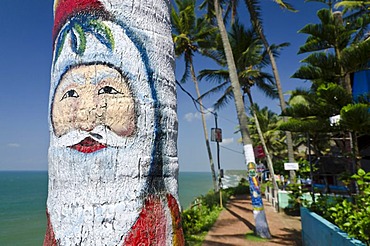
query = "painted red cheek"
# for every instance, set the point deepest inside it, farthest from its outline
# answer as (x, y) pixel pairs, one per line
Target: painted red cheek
(88, 145)
(126, 132)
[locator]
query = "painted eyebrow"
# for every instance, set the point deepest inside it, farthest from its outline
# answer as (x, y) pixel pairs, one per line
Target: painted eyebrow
(78, 78)
(69, 79)
(100, 75)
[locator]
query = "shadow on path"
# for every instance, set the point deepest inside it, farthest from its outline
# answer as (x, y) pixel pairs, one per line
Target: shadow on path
(236, 221)
(246, 222)
(292, 237)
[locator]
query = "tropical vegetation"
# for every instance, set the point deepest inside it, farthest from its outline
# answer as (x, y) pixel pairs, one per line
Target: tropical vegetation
(322, 120)
(201, 215)
(192, 35)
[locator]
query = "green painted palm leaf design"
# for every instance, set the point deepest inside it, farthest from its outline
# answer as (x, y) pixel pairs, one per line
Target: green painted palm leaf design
(78, 27)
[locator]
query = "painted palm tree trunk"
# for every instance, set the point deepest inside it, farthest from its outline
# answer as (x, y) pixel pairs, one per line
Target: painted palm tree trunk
(259, 214)
(259, 28)
(262, 229)
(113, 126)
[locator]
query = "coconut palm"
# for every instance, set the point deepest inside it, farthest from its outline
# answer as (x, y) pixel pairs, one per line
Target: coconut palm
(191, 35)
(255, 16)
(250, 58)
(259, 215)
(269, 122)
(113, 126)
(214, 10)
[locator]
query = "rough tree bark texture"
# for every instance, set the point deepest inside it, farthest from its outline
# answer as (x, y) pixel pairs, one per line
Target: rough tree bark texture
(113, 125)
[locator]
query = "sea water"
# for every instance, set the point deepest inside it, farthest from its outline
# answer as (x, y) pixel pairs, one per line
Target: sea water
(22, 208)
(23, 203)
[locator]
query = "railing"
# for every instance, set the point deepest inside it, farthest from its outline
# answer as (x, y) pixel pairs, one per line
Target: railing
(271, 196)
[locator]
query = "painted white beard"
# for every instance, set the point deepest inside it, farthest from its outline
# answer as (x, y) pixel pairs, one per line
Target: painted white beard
(94, 199)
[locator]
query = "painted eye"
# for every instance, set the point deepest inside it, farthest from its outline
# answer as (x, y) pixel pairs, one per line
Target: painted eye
(70, 93)
(107, 90)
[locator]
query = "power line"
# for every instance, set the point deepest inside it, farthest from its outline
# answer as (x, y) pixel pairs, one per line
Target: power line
(195, 101)
(229, 120)
(232, 150)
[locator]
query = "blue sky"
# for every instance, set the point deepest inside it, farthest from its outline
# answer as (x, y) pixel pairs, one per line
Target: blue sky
(25, 60)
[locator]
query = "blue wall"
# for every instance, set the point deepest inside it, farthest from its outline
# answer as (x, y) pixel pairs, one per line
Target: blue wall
(316, 231)
(361, 83)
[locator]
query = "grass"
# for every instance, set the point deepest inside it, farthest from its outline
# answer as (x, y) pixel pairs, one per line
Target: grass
(252, 237)
(195, 240)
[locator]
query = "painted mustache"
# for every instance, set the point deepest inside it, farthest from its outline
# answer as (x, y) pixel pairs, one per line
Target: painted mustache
(91, 141)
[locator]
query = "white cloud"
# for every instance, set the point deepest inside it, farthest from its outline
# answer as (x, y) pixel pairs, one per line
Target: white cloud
(13, 145)
(189, 117)
(227, 141)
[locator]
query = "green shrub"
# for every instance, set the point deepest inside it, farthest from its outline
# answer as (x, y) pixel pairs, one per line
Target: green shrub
(295, 199)
(198, 219)
(354, 217)
(322, 205)
(241, 189)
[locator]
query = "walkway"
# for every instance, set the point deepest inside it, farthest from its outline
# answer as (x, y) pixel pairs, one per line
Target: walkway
(237, 220)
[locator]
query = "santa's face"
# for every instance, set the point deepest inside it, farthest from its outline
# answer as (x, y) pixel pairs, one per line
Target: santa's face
(100, 153)
(89, 96)
(103, 139)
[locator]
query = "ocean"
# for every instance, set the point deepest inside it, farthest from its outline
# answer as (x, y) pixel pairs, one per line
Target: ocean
(23, 203)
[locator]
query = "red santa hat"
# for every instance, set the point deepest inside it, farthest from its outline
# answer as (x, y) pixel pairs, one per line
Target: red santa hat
(65, 9)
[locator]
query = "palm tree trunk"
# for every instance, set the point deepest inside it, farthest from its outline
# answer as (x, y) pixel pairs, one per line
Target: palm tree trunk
(270, 165)
(262, 228)
(211, 163)
(113, 163)
(257, 25)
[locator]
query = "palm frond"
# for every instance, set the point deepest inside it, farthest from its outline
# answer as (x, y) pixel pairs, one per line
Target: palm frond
(216, 89)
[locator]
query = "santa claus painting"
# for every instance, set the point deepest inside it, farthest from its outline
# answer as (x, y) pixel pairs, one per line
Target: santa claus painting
(113, 127)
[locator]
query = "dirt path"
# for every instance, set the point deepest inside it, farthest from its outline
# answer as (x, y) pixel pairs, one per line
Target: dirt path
(237, 220)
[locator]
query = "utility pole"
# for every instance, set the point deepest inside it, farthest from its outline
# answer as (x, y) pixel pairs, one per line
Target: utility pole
(217, 137)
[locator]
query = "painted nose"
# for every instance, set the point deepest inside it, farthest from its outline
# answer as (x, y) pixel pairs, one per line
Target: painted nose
(86, 115)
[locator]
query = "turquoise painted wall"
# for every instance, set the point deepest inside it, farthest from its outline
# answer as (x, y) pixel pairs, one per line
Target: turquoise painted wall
(284, 198)
(317, 231)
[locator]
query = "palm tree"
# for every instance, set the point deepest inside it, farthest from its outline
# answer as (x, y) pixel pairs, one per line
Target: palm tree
(259, 215)
(249, 57)
(113, 126)
(192, 35)
(214, 10)
(255, 16)
(269, 123)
